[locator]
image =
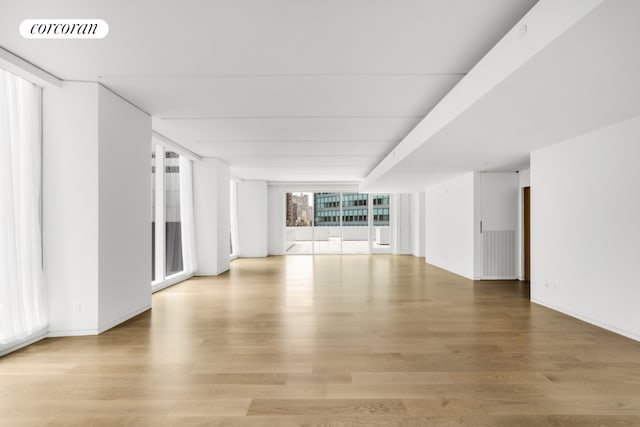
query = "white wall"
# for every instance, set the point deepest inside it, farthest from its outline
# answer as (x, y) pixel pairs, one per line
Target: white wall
(275, 218)
(417, 224)
(97, 249)
(124, 245)
(449, 225)
(401, 223)
(70, 207)
(524, 178)
(477, 235)
(211, 200)
(585, 232)
(252, 221)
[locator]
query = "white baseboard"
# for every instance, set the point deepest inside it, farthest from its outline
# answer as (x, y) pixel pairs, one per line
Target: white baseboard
(122, 319)
(450, 271)
(72, 333)
(107, 326)
(23, 343)
(172, 280)
(589, 320)
(206, 273)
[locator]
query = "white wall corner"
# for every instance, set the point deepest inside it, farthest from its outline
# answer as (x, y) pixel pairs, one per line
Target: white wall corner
(253, 224)
(211, 198)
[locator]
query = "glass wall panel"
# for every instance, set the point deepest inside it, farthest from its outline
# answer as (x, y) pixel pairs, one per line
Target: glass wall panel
(355, 223)
(153, 213)
(335, 222)
(299, 223)
(327, 234)
(381, 230)
(173, 229)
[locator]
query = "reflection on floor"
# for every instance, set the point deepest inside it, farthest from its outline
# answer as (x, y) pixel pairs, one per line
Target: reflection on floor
(331, 341)
(332, 246)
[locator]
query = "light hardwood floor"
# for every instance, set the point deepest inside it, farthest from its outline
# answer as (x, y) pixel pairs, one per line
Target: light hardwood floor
(331, 341)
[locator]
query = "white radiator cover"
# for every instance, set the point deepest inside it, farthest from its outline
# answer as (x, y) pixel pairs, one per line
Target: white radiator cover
(499, 249)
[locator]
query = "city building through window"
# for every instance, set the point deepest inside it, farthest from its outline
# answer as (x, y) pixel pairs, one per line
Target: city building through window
(336, 222)
(167, 224)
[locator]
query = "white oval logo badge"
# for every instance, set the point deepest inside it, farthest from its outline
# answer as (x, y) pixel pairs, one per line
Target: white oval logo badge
(64, 29)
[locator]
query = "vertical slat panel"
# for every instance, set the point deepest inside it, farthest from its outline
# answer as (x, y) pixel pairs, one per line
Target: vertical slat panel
(499, 253)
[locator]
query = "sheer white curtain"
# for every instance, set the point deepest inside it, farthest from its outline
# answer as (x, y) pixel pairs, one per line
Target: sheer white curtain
(186, 215)
(22, 293)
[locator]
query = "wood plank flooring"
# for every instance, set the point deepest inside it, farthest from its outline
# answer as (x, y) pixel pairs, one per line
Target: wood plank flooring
(352, 340)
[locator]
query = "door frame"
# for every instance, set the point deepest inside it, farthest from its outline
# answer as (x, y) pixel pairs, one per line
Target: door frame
(526, 233)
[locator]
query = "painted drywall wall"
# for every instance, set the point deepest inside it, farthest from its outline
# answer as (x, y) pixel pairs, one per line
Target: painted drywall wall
(252, 221)
(211, 206)
(401, 224)
(70, 207)
(524, 178)
(585, 233)
(97, 249)
(124, 245)
(417, 224)
(449, 225)
(275, 218)
(477, 229)
(223, 223)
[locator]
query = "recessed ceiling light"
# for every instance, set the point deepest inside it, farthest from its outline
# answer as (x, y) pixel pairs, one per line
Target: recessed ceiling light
(522, 31)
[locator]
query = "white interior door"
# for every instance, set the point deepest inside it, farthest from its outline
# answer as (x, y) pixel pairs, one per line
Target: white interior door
(499, 218)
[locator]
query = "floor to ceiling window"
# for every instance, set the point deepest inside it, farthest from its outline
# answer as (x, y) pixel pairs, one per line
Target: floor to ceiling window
(355, 223)
(23, 315)
(299, 223)
(327, 231)
(171, 216)
(153, 213)
(172, 220)
(381, 229)
(336, 222)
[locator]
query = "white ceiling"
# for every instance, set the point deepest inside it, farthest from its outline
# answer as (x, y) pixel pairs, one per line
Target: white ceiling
(585, 78)
(281, 90)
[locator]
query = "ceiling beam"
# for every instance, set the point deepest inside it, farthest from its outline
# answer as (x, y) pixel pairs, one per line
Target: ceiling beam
(18, 66)
(544, 23)
(177, 147)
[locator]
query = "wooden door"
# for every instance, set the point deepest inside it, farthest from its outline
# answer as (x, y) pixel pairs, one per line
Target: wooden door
(527, 233)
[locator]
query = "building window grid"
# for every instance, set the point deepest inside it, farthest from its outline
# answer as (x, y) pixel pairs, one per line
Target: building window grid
(354, 212)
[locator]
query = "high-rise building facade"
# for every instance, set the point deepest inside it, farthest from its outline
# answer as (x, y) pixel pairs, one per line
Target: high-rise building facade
(355, 209)
(299, 211)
